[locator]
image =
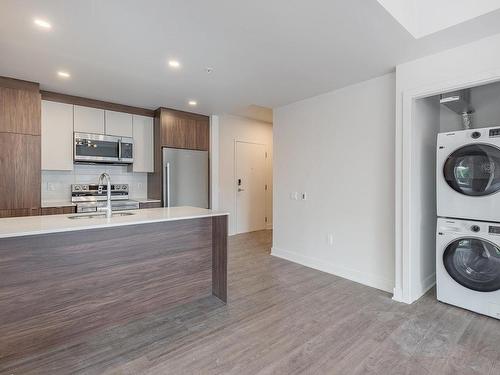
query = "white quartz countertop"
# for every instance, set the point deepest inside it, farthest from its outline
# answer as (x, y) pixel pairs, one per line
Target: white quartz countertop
(57, 204)
(146, 200)
(32, 225)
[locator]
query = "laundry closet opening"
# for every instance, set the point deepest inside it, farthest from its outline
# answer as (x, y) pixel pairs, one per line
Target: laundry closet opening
(455, 153)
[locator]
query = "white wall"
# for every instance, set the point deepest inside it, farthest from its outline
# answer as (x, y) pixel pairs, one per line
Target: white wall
(339, 149)
(56, 185)
(473, 64)
(232, 129)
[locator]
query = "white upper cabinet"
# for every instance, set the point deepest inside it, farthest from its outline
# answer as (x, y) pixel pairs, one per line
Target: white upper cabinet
(143, 144)
(118, 123)
(57, 136)
(88, 120)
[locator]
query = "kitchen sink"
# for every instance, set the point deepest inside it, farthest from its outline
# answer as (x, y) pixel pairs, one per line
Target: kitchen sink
(100, 215)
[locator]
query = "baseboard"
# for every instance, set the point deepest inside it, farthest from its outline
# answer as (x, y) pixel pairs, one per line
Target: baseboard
(397, 295)
(350, 274)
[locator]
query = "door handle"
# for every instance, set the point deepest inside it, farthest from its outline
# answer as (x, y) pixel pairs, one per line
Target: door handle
(240, 189)
(168, 183)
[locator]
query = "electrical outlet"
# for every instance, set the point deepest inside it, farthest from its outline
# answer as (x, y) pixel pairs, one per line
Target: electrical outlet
(329, 239)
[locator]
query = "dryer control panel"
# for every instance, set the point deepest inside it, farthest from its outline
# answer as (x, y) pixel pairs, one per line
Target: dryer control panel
(495, 132)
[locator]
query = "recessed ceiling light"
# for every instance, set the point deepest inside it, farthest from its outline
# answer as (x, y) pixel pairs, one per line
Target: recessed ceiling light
(174, 64)
(192, 103)
(64, 74)
(42, 23)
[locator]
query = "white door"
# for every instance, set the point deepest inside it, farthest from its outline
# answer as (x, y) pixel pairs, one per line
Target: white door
(250, 187)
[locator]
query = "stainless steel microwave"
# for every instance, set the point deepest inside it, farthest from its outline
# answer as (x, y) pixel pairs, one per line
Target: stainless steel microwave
(98, 148)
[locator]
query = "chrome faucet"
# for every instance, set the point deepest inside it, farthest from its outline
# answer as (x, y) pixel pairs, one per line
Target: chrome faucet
(102, 177)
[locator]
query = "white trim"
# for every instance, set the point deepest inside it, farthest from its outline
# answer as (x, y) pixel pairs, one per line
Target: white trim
(214, 162)
(403, 290)
(347, 273)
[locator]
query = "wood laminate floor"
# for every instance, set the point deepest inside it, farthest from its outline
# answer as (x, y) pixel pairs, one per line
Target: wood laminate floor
(283, 318)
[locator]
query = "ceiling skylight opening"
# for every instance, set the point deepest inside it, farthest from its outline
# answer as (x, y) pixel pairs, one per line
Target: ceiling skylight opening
(425, 17)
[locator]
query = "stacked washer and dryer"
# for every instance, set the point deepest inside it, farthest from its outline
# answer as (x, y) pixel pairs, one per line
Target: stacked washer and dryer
(468, 226)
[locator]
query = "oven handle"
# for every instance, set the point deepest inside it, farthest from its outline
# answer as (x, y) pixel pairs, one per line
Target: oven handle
(119, 149)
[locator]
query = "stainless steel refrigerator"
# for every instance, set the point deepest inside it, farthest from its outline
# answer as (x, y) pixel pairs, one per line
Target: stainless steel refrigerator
(185, 178)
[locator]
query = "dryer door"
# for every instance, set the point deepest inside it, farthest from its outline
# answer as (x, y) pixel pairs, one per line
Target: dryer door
(474, 263)
(474, 170)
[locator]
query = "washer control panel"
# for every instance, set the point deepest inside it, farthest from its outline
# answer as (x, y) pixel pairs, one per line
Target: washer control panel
(494, 229)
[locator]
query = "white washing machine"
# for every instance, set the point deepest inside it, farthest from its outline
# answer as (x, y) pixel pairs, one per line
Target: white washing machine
(468, 174)
(468, 265)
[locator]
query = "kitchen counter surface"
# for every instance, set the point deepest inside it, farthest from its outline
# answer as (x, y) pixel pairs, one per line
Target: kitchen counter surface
(57, 204)
(33, 225)
(146, 200)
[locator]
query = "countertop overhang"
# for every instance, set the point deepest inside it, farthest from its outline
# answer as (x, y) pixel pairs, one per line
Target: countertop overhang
(35, 225)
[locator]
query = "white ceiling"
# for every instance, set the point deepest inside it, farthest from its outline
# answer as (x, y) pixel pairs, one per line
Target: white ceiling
(425, 17)
(264, 53)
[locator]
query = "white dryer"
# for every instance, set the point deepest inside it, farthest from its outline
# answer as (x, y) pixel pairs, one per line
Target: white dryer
(468, 174)
(468, 265)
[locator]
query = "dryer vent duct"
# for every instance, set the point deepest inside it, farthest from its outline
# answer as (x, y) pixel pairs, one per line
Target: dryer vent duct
(459, 102)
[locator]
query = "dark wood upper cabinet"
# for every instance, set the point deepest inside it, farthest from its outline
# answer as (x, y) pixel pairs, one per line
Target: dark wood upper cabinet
(183, 130)
(20, 166)
(20, 111)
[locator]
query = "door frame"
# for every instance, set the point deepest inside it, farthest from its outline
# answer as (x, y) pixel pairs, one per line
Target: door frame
(405, 289)
(235, 184)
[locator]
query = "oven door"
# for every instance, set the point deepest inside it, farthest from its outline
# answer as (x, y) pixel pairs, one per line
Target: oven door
(96, 148)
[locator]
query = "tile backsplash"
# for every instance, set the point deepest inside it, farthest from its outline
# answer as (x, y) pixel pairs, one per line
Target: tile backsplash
(56, 185)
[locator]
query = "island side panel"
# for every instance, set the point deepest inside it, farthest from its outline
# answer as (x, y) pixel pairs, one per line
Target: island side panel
(219, 257)
(56, 288)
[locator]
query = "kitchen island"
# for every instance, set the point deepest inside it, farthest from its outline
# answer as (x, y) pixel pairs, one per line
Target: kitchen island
(66, 276)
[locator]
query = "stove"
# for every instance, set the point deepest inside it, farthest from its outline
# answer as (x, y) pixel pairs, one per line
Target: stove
(88, 197)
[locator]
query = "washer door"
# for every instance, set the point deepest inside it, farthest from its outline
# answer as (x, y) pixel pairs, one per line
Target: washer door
(474, 264)
(474, 170)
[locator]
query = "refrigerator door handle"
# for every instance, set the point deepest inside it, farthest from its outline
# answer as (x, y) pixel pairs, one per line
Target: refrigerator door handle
(166, 186)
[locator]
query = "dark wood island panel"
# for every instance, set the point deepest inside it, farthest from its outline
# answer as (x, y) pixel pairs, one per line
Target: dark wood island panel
(56, 288)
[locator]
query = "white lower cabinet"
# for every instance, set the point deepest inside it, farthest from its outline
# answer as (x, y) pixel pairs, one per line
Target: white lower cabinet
(143, 144)
(57, 136)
